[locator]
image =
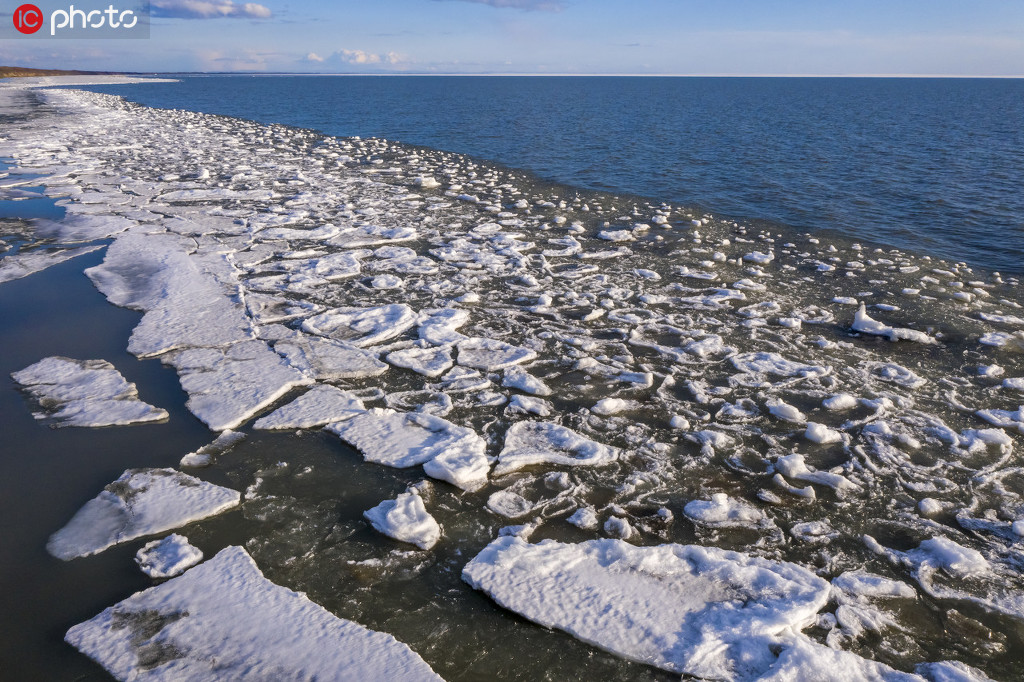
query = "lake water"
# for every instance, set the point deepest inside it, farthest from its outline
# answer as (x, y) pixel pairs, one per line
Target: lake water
(933, 165)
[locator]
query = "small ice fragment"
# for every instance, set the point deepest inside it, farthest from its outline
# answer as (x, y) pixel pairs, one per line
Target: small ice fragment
(679, 422)
(168, 557)
(839, 402)
(819, 433)
(929, 506)
(204, 455)
(618, 527)
(490, 355)
(723, 511)
(586, 518)
(862, 322)
(610, 406)
(405, 518)
(786, 412)
(519, 378)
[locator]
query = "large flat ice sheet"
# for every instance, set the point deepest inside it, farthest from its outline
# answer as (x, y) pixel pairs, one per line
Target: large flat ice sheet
(224, 621)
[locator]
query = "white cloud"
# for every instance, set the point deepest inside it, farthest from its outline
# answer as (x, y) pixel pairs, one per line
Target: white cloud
(314, 57)
(359, 57)
(207, 9)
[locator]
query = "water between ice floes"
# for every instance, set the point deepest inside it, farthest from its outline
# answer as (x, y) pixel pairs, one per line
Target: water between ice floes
(716, 358)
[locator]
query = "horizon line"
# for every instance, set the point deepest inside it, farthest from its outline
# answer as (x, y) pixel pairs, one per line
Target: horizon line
(594, 75)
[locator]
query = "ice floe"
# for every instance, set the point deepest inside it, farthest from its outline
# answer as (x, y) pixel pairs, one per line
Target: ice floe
(531, 443)
(705, 612)
(168, 557)
(223, 620)
(400, 439)
(84, 393)
(141, 502)
(405, 518)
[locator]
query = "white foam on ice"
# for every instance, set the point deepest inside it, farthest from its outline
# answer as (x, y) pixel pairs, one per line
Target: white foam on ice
(223, 620)
(141, 502)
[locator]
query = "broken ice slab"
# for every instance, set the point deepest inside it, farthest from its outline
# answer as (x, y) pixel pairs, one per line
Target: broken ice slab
(141, 502)
(25, 263)
(227, 387)
(695, 610)
(320, 405)
(402, 439)
(223, 620)
(531, 443)
(84, 393)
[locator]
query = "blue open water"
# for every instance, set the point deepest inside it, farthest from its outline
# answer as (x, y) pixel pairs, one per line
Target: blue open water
(932, 165)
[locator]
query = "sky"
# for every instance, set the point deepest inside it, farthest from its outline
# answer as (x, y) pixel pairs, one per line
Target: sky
(677, 37)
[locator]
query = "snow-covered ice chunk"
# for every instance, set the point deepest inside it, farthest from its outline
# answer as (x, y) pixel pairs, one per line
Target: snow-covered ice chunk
(530, 443)
(223, 620)
(429, 362)
(403, 439)
(227, 387)
(405, 519)
(185, 305)
(786, 412)
(141, 502)
(329, 360)
(490, 355)
(863, 323)
(362, 326)
(318, 406)
(722, 511)
(688, 609)
(819, 433)
(519, 378)
(839, 402)
(610, 406)
(794, 467)
(168, 557)
(84, 393)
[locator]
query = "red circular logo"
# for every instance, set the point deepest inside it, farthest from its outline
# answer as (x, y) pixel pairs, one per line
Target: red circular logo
(28, 18)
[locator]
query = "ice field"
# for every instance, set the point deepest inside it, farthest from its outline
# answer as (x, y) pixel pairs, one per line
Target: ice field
(605, 437)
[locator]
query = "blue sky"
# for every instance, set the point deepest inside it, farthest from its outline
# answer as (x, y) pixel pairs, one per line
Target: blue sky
(734, 37)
